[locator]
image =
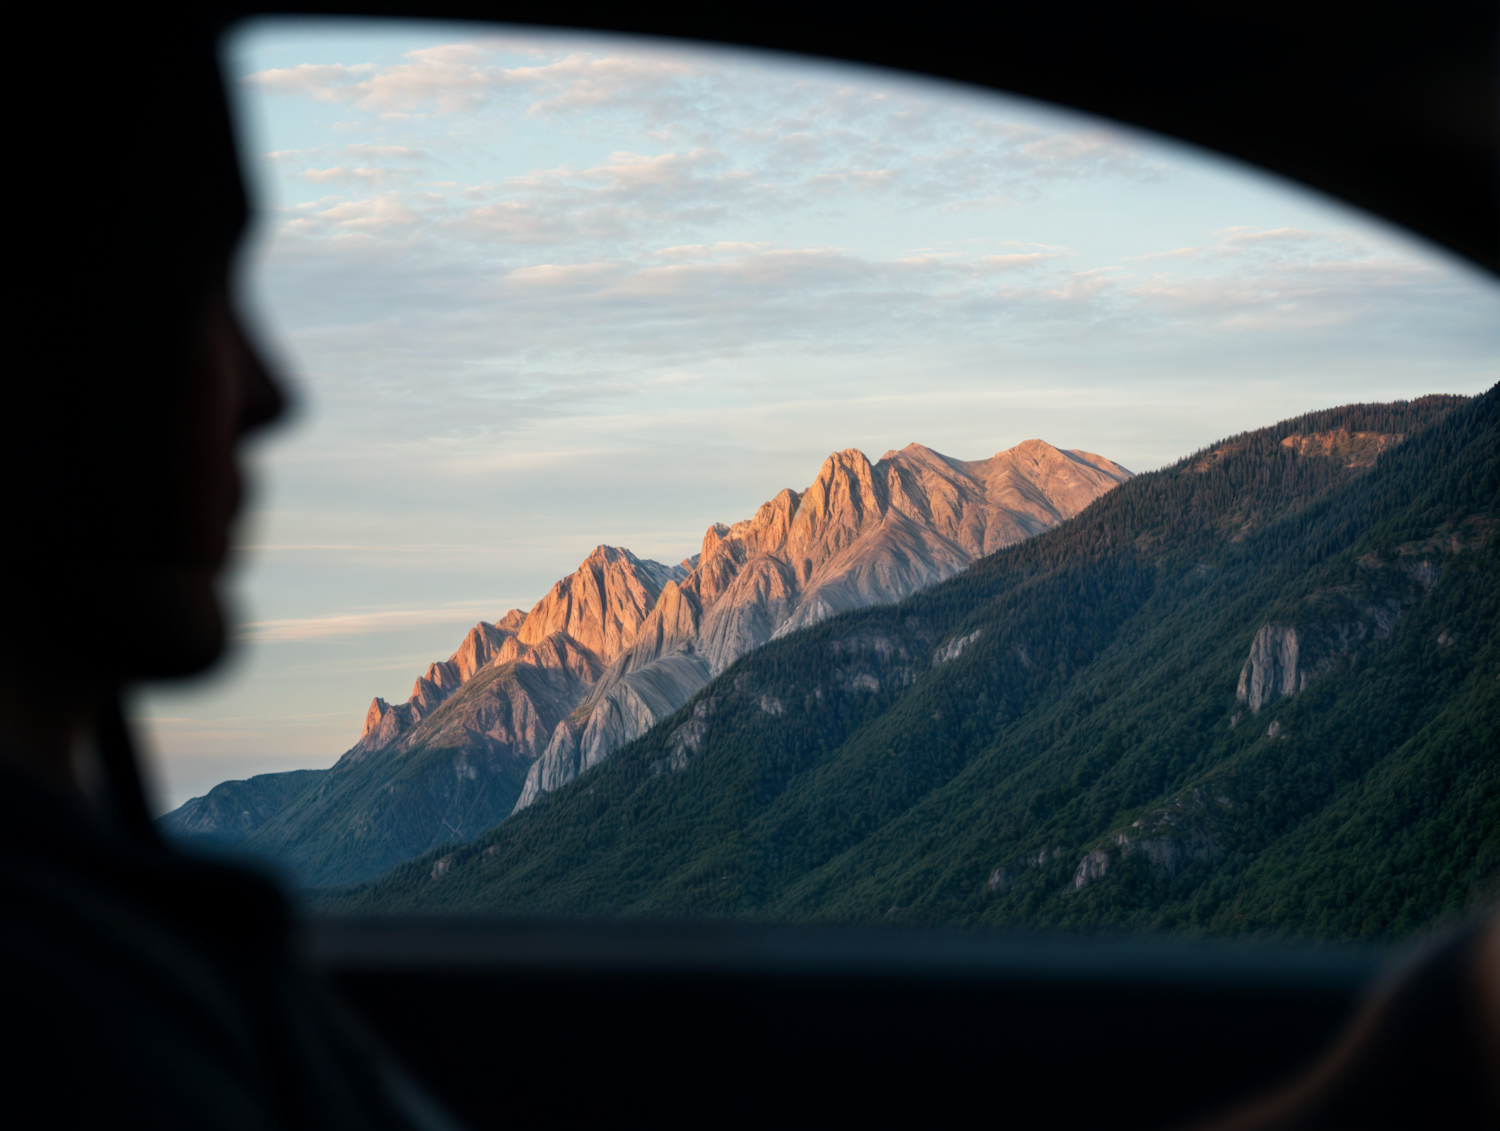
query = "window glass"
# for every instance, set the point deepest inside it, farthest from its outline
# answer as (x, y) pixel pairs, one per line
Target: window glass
(746, 456)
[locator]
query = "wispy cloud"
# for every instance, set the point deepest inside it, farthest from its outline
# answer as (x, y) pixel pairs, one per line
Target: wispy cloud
(458, 78)
(363, 622)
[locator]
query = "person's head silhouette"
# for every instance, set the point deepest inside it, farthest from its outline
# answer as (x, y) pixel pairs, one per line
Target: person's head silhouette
(121, 448)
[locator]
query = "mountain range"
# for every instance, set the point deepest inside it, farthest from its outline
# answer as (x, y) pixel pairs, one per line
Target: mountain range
(1255, 692)
(531, 701)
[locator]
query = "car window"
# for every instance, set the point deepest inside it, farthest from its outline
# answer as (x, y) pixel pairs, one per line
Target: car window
(734, 484)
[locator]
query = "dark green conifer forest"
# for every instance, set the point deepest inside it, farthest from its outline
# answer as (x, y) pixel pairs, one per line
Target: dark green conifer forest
(1056, 738)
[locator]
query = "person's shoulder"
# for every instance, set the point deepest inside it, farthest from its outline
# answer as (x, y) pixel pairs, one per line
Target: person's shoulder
(132, 968)
(57, 859)
(150, 979)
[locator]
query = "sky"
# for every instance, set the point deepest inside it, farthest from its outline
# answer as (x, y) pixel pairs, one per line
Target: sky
(535, 292)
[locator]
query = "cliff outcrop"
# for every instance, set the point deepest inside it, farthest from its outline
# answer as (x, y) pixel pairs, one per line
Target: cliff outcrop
(1338, 622)
(1270, 670)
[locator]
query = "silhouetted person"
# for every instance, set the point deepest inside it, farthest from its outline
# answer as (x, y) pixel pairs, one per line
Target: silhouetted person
(144, 987)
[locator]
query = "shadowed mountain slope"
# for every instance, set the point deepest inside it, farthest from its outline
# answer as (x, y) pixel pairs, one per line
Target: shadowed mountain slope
(455, 774)
(232, 810)
(1257, 691)
(451, 760)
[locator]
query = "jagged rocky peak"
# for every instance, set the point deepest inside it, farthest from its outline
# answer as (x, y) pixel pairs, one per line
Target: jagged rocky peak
(984, 505)
(431, 688)
(377, 711)
(587, 618)
(1035, 473)
(711, 539)
(602, 603)
(383, 725)
(861, 534)
(483, 644)
(838, 504)
(562, 652)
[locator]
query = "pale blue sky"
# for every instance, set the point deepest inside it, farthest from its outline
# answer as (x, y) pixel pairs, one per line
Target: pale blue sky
(537, 292)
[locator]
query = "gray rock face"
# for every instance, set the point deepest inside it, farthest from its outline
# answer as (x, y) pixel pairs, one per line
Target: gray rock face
(1270, 670)
(1092, 867)
(1005, 876)
(1284, 660)
(955, 648)
(1180, 832)
(1165, 854)
(687, 740)
(614, 715)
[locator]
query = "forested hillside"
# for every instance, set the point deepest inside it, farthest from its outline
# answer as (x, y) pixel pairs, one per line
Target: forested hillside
(1257, 691)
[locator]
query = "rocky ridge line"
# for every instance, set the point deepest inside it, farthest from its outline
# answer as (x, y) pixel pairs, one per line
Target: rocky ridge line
(527, 703)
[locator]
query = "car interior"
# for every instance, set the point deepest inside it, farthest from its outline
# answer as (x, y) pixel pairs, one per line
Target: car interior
(720, 1023)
